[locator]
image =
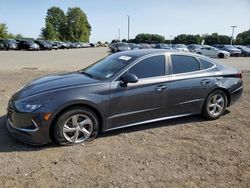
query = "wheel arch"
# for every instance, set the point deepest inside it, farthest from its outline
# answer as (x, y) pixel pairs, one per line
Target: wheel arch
(75, 105)
(228, 95)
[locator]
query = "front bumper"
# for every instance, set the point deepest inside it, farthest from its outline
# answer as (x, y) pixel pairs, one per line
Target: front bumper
(235, 53)
(27, 127)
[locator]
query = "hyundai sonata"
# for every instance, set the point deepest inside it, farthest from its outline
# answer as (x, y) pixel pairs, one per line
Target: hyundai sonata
(124, 89)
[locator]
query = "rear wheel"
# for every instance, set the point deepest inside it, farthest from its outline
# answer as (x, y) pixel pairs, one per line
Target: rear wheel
(75, 126)
(215, 105)
(220, 55)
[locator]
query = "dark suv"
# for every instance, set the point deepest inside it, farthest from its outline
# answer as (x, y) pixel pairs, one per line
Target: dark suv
(8, 44)
(43, 45)
(28, 45)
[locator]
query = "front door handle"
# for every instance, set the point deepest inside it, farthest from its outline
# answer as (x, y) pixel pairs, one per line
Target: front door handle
(161, 87)
(205, 82)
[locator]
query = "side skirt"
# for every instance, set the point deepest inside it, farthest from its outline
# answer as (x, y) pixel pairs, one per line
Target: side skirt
(149, 121)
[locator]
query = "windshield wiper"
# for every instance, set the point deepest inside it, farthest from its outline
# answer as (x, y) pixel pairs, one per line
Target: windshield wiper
(82, 72)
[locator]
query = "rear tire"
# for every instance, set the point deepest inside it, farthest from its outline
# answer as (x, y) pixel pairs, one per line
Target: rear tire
(76, 125)
(220, 55)
(215, 105)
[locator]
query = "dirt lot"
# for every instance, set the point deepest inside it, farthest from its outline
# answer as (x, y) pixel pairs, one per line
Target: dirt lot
(185, 152)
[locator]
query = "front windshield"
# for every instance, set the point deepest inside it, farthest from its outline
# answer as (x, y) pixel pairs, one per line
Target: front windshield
(123, 44)
(181, 46)
(213, 48)
(107, 67)
(29, 42)
(230, 47)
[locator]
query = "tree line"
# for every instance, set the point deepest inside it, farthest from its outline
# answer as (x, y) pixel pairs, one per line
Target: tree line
(4, 34)
(209, 39)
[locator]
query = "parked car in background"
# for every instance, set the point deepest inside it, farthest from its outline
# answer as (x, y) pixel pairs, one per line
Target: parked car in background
(28, 45)
(44, 45)
(193, 47)
(124, 89)
(119, 47)
(53, 44)
(231, 49)
(144, 46)
(134, 46)
(64, 45)
(181, 47)
(161, 46)
(245, 51)
(8, 44)
(211, 51)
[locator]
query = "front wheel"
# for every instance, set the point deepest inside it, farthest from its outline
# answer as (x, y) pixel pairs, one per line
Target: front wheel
(220, 55)
(75, 126)
(215, 105)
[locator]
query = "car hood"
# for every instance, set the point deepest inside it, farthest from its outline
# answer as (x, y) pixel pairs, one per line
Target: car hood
(53, 82)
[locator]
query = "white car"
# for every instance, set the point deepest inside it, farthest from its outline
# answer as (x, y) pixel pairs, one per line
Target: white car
(212, 52)
(181, 48)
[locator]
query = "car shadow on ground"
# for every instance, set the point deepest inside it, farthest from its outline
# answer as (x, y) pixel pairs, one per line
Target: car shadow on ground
(9, 144)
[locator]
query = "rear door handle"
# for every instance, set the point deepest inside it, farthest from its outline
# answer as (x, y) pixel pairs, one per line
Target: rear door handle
(205, 82)
(161, 87)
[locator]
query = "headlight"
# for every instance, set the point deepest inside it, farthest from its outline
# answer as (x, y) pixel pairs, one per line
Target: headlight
(29, 106)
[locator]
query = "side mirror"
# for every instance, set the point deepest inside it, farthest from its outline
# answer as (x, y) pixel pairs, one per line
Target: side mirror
(129, 78)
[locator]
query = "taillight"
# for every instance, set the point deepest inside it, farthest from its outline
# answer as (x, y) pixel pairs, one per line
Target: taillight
(239, 75)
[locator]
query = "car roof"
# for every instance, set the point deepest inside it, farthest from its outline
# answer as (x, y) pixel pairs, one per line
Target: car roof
(143, 52)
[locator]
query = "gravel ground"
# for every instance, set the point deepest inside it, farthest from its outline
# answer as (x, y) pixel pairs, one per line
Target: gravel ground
(184, 152)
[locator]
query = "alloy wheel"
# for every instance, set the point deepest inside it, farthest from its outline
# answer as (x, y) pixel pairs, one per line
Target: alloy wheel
(216, 105)
(77, 128)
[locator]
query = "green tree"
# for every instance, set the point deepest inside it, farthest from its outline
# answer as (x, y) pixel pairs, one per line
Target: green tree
(57, 18)
(78, 27)
(149, 38)
(187, 39)
(215, 38)
(49, 32)
(243, 38)
(3, 31)
(115, 40)
(19, 36)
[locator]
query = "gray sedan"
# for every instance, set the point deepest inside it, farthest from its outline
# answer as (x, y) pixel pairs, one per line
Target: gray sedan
(124, 89)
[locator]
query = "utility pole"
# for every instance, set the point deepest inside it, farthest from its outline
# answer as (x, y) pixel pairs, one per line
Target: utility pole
(128, 26)
(119, 34)
(171, 39)
(232, 37)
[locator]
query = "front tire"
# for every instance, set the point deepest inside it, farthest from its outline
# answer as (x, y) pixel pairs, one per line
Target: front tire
(76, 125)
(215, 105)
(220, 55)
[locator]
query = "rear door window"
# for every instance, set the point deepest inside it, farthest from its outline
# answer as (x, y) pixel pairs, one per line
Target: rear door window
(184, 64)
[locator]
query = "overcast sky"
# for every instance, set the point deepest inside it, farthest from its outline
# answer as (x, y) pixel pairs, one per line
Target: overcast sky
(165, 17)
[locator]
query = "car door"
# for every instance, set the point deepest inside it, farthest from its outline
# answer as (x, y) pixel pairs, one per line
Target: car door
(188, 86)
(141, 101)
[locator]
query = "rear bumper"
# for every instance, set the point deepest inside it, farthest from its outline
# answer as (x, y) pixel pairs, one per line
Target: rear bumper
(235, 95)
